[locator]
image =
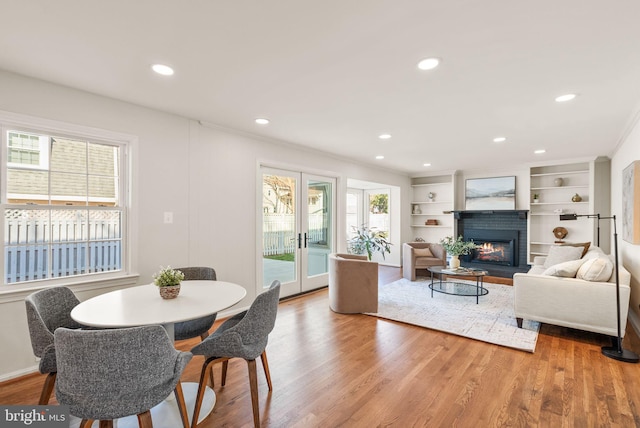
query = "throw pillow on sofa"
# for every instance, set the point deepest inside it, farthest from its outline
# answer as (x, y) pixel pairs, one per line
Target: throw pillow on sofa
(598, 269)
(584, 245)
(566, 269)
(561, 253)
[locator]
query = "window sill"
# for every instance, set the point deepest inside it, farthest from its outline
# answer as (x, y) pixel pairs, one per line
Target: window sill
(17, 292)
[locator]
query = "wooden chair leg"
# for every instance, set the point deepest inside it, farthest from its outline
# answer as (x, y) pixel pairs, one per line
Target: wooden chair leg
(109, 424)
(265, 366)
(223, 376)
(253, 383)
(202, 386)
(86, 423)
(47, 389)
(182, 406)
(144, 420)
(211, 379)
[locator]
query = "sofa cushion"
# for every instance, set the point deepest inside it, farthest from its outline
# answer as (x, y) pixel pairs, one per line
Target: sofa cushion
(584, 245)
(422, 252)
(598, 269)
(594, 252)
(566, 269)
(560, 254)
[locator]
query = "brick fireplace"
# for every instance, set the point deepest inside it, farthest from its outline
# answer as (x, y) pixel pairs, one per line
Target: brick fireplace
(502, 236)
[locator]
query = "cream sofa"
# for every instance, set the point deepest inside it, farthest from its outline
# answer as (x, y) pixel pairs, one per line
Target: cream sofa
(353, 284)
(572, 302)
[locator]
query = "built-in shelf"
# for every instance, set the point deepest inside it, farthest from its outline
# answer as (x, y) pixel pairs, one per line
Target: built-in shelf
(579, 177)
(440, 207)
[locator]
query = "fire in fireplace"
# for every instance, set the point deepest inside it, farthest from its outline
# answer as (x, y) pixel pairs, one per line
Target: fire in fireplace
(493, 252)
(498, 247)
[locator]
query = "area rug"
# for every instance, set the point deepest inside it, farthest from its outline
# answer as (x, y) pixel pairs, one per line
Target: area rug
(492, 320)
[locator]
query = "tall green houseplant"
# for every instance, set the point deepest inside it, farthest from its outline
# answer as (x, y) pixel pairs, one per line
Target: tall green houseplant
(368, 241)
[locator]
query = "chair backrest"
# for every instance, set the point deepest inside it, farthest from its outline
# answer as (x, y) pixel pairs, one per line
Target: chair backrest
(47, 310)
(260, 318)
(195, 273)
(108, 374)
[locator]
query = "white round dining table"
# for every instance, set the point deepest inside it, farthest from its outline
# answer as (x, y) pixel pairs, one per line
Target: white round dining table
(142, 305)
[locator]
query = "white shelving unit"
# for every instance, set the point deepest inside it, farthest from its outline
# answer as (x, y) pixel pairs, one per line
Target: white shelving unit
(438, 209)
(582, 178)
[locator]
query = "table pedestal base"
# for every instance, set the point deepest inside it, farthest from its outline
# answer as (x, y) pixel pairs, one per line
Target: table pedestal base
(166, 414)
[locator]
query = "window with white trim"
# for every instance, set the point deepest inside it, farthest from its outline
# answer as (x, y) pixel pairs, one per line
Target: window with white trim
(63, 205)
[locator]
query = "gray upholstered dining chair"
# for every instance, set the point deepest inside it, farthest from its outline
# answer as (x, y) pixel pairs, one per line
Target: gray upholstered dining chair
(244, 335)
(199, 326)
(109, 374)
(47, 310)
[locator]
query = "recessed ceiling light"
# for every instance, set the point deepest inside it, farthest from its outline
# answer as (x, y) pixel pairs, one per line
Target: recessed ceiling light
(539, 152)
(499, 139)
(379, 157)
(565, 97)
(384, 136)
(426, 164)
(165, 70)
(428, 63)
(262, 121)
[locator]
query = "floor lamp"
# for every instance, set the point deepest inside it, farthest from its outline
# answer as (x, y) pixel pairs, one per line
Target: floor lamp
(616, 352)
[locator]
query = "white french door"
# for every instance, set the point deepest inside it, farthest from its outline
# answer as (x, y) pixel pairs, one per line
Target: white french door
(297, 229)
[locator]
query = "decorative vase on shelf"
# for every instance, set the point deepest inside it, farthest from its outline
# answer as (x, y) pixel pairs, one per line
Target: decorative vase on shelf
(454, 262)
(416, 209)
(431, 196)
(576, 198)
(558, 181)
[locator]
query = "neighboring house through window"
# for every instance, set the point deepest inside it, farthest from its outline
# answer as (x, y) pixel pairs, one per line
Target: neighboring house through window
(63, 205)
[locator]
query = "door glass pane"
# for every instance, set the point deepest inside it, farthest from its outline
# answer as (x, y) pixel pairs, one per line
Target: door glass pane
(279, 238)
(319, 230)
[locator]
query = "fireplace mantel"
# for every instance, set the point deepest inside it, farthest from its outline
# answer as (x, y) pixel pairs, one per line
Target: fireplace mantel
(458, 214)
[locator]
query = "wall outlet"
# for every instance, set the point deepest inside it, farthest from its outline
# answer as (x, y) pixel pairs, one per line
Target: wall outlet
(168, 217)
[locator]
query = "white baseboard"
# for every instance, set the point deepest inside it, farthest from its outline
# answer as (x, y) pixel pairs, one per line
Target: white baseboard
(18, 373)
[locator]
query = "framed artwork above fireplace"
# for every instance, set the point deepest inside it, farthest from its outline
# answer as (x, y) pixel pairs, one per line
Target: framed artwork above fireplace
(495, 193)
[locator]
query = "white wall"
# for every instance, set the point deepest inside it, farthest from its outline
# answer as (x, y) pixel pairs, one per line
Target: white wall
(627, 151)
(206, 177)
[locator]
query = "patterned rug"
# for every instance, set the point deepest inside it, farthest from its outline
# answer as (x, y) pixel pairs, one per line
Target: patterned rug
(492, 320)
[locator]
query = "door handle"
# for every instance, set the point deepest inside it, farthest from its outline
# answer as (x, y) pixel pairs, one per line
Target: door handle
(300, 240)
(306, 239)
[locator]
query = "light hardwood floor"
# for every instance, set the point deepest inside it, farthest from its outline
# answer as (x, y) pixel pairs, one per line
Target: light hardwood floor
(332, 370)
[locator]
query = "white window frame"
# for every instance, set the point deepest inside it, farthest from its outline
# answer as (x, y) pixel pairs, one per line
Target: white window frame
(127, 275)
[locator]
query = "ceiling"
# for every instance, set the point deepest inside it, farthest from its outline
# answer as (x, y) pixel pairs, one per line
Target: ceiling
(335, 74)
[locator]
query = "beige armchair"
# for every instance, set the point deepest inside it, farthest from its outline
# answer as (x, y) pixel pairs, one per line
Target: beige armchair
(412, 260)
(353, 284)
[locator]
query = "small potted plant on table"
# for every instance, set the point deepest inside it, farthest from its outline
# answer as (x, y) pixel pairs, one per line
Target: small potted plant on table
(456, 248)
(168, 281)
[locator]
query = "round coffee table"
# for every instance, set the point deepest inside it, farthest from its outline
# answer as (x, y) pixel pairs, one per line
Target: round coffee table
(458, 288)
